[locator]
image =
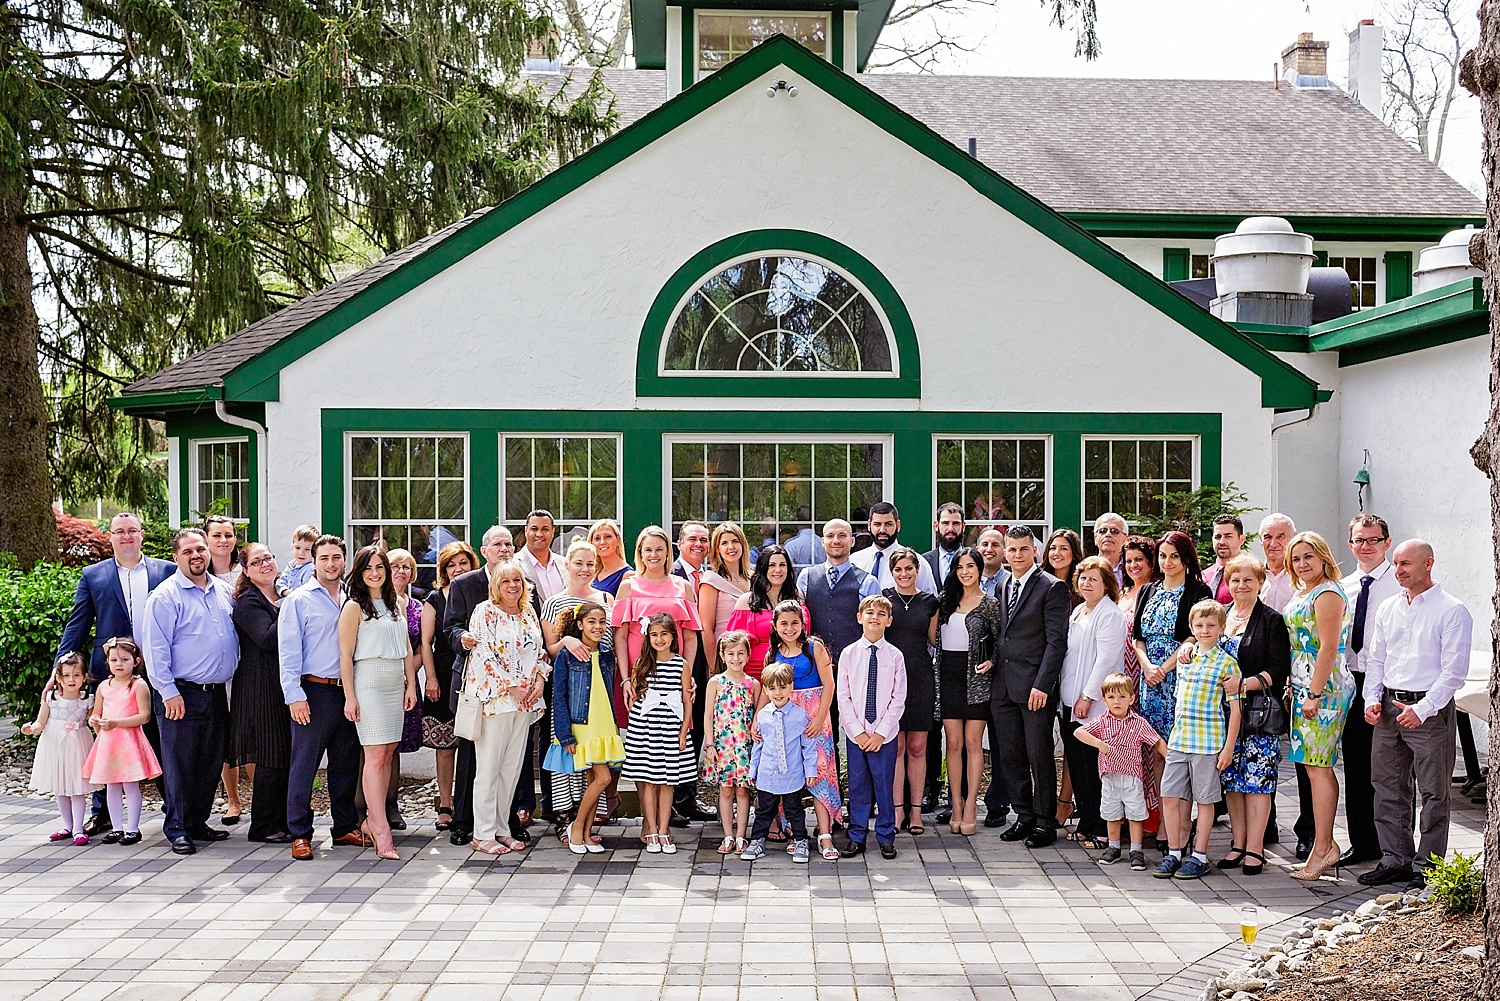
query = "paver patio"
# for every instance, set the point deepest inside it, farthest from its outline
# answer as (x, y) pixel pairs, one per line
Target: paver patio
(951, 918)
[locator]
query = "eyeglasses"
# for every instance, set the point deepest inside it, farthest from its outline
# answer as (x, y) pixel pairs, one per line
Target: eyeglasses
(261, 561)
(126, 531)
(1111, 530)
(1377, 540)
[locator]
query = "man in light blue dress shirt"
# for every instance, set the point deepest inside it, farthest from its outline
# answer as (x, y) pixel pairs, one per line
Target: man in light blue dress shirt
(191, 652)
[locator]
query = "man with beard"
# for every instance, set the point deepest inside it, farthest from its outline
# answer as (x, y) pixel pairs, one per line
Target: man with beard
(885, 526)
(949, 528)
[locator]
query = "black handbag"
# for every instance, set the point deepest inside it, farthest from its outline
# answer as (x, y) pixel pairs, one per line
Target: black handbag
(1263, 714)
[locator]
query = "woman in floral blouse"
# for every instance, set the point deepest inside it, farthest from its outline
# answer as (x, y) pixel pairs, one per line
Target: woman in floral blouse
(506, 672)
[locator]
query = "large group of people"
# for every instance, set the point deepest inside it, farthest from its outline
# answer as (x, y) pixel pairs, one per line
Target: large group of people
(541, 678)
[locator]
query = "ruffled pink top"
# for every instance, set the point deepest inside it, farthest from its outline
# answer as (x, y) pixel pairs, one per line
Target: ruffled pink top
(759, 625)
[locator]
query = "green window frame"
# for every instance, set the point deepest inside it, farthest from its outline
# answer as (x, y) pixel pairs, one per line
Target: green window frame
(1124, 473)
(221, 470)
(970, 470)
(410, 488)
(574, 476)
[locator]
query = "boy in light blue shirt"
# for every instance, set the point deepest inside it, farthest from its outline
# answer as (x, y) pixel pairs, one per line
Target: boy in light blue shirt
(782, 763)
(300, 570)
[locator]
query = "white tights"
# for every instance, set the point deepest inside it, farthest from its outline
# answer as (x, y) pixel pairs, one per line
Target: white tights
(132, 793)
(72, 809)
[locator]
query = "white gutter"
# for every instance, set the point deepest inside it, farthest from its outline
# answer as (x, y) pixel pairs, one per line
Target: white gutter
(224, 415)
(1278, 425)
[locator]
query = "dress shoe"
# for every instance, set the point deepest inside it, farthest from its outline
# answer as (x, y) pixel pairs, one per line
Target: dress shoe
(928, 804)
(1354, 856)
(1019, 831)
(1273, 837)
(887, 850)
(113, 837)
(1041, 837)
(206, 833)
(678, 821)
(183, 846)
(97, 824)
(1417, 883)
(458, 837)
(943, 816)
(521, 834)
(279, 838)
(996, 818)
(130, 838)
(302, 849)
(852, 849)
(354, 839)
(1383, 873)
(1304, 849)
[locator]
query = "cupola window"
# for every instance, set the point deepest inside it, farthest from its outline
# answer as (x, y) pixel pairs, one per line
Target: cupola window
(727, 35)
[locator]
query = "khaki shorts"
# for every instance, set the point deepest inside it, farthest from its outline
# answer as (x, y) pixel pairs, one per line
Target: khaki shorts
(1121, 797)
(1193, 777)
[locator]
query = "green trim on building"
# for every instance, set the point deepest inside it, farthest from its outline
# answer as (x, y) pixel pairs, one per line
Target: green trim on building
(649, 381)
(1438, 316)
(642, 431)
(143, 404)
(1176, 264)
(1276, 337)
(1281, 384)
(198, 426)
(648, 24)
(1203, 226)
(1397, 274)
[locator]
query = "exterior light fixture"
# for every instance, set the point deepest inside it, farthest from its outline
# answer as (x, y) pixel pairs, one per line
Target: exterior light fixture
(791, 90)
(1362, 480)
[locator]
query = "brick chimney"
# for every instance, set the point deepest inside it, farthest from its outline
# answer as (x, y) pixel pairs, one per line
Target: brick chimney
(1304, 63)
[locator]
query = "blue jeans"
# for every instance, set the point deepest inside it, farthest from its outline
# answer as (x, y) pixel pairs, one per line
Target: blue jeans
(192, 756)
(872, 778)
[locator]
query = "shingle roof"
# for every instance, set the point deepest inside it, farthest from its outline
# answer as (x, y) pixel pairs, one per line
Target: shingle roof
(1222, 147)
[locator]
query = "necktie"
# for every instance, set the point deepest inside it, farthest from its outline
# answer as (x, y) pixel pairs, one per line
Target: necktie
(1218, 582)
(875, 570)
(870, 686)
(1015, 596)
(833, 577)
(1361, 609)
(775, 740)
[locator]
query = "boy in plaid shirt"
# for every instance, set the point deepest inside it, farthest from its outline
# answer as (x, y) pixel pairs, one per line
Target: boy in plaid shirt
(1201, 745)
(1119, 735)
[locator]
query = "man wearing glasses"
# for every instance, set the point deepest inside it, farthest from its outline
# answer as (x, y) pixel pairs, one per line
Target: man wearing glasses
(1367, 587)
(1109, 539)
(110, 601)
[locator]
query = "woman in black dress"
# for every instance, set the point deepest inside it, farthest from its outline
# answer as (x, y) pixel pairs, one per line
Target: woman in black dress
(913, 631)
(968, 627)
(437, 673)
(260, 727)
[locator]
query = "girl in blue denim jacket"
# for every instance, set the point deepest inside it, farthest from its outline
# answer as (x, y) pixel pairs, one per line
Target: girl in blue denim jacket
(583, 717)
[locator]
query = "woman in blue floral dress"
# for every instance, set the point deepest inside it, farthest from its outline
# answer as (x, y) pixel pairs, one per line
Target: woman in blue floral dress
(1322, 687)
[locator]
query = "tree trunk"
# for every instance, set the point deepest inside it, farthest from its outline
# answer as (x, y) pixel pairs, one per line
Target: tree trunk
(1480, 74)
(27, 526)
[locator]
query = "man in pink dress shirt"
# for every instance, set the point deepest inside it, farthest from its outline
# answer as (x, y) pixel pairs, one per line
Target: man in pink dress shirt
(872, 696)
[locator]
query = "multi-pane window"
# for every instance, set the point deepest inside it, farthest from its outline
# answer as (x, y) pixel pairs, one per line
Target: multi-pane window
(1127, 475)
(776, 488)
(1201, 266)
(576, 478)
(222, 469)
(778, 314)
(1361, 272)
(410, 490)
(725, 36)
(999, 482)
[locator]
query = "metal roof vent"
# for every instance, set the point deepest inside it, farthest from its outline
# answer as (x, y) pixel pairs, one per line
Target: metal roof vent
(1446, 263)
(1263, 254)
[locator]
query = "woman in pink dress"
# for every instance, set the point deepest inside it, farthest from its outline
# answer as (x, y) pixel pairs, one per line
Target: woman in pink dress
(650, 591)
(754, 612)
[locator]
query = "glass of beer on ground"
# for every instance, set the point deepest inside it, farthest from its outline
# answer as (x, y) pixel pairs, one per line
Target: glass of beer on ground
(1249, 928)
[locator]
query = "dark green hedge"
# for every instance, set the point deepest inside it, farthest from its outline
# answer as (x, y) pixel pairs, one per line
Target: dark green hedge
(34, 607)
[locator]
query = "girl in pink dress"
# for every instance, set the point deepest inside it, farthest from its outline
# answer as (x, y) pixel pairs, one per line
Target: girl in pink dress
(121, 758)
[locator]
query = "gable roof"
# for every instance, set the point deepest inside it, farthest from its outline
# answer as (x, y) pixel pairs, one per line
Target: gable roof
(1183, 147)
(252, 377)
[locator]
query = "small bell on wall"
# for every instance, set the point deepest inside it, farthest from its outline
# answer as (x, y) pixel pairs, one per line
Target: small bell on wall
(1362, 480)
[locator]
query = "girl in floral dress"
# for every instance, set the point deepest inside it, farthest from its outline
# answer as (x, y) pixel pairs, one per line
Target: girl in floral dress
(726, 752)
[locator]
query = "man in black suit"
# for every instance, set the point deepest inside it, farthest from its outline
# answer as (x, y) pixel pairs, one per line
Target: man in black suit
(1023, 697)
(949, 529)
(465, 594)
(692, 559)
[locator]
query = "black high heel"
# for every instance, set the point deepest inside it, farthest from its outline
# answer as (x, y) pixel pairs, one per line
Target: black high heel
(1232, 861)
(1253, 870)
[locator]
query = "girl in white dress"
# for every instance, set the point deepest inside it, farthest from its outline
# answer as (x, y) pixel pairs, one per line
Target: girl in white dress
(62, 723)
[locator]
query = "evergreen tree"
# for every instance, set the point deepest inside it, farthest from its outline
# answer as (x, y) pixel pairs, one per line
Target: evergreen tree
(170, 172)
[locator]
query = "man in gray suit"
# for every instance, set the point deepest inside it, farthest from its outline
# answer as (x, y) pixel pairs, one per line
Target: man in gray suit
(1023, 696)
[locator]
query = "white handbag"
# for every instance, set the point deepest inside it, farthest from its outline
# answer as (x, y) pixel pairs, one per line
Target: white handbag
(466, 719)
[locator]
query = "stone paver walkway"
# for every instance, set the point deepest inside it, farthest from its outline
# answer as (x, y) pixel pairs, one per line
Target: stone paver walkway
(952, 918)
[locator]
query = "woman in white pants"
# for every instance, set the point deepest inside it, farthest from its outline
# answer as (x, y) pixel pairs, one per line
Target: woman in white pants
(506, 672)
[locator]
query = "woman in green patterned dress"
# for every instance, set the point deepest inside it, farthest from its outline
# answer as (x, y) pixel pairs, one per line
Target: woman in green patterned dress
(1321, 686)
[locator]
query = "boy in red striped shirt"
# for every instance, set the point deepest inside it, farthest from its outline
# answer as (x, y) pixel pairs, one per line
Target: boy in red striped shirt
(1119, 735)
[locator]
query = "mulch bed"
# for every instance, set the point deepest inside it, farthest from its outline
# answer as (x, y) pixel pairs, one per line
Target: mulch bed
(1416, 957)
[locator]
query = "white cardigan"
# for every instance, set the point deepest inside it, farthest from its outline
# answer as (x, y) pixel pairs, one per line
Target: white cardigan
(1096, 649)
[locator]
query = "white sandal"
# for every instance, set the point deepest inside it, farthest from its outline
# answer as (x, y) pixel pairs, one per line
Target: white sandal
(726, 846)
(668, 847)
(830, 854)
(740, 844)
(652, 847)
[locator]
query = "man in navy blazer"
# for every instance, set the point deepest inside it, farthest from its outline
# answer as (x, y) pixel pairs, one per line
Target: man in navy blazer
(111, 600)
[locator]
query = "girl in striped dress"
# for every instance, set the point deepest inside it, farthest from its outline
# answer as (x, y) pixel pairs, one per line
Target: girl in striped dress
(657, 753)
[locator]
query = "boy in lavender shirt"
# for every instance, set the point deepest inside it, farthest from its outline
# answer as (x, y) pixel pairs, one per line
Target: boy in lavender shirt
(782, 763)
(872, 697)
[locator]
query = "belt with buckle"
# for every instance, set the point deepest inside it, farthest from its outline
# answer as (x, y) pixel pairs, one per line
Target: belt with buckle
(315, 679)
(1407, 697)
(198, 685)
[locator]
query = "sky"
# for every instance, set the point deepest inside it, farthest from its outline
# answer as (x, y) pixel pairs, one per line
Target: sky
(1188, 39)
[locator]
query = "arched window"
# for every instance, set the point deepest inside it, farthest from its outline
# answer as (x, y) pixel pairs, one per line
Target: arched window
(778, 313)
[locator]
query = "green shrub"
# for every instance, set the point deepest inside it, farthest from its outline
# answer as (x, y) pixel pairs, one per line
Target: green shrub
(34, 608)
(1193, 512)
(1457, 886)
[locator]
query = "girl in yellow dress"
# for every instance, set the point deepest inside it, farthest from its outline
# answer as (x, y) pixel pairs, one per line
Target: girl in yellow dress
(583, 716)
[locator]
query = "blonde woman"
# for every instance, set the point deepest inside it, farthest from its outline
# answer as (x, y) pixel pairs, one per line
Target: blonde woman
(605, 537)
(720, 587)
(1321, 686)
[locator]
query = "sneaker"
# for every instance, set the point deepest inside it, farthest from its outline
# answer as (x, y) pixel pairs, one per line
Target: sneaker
(1138, 861)
(1166, 867)
(1110, 857)
(756, 850)
(1191, 868)
(799, 853)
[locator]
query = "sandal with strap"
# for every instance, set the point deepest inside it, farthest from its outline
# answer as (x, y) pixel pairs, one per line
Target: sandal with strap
(1233, 860)
(442, 812)
(513, 844)
(726, 846)
(829, 852)
(1253, 870)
